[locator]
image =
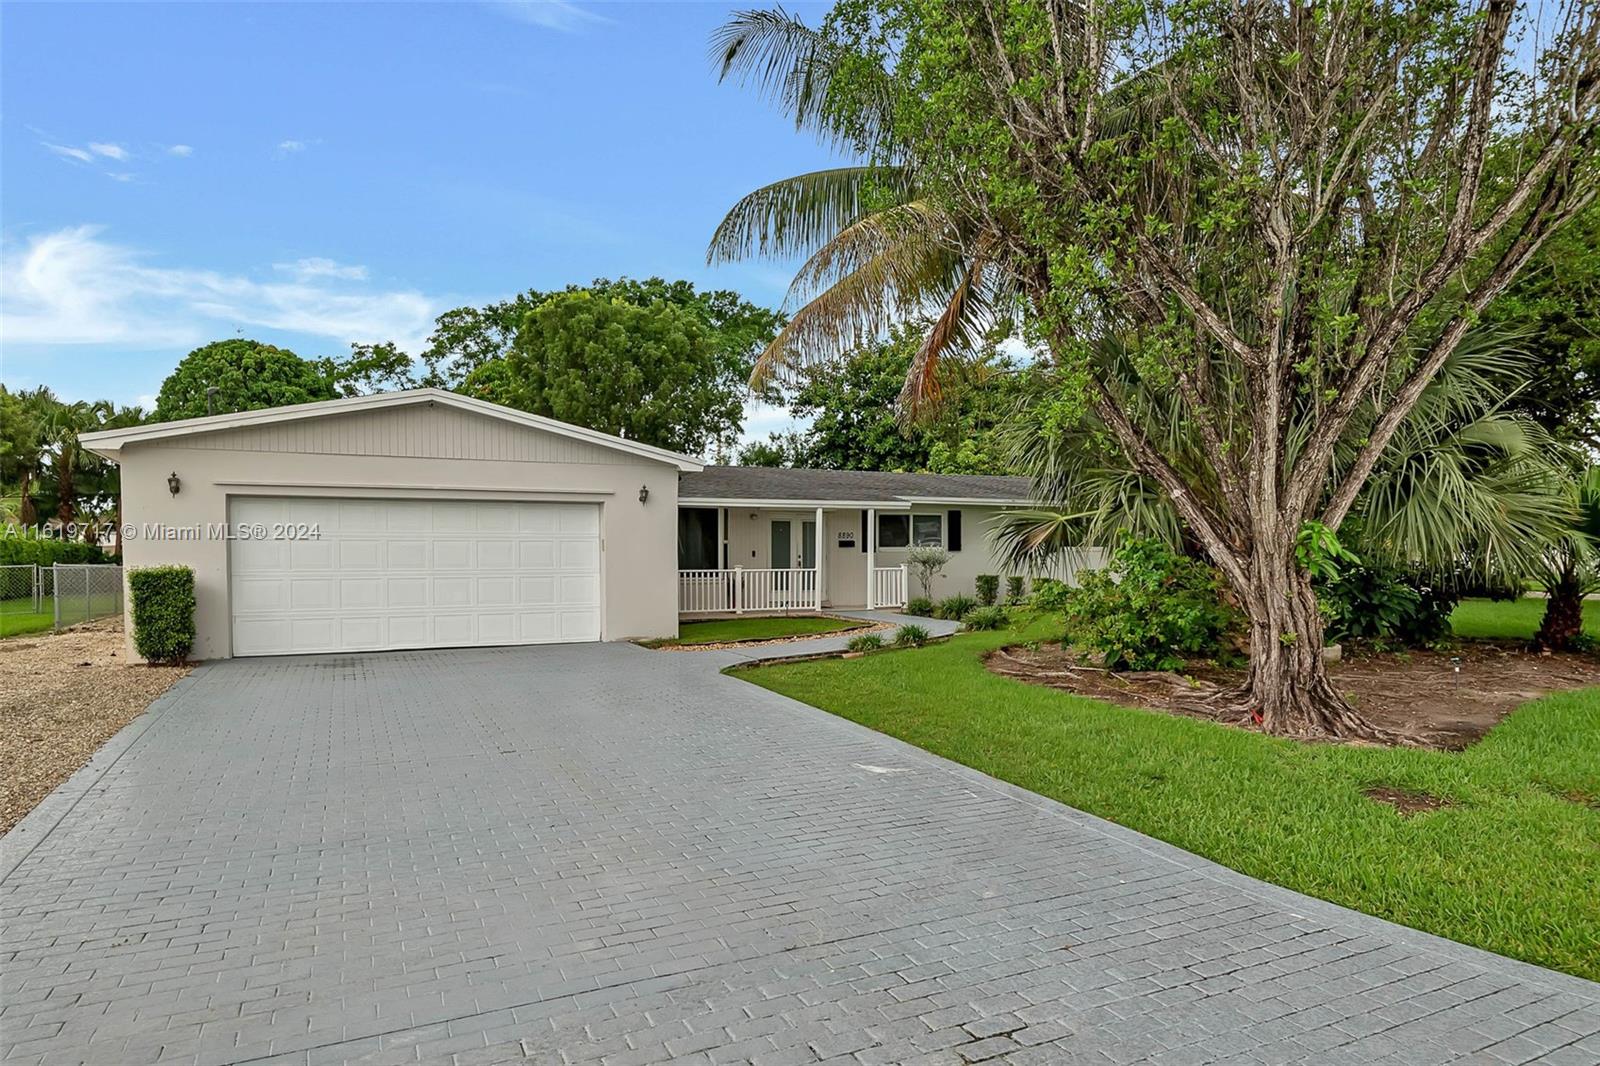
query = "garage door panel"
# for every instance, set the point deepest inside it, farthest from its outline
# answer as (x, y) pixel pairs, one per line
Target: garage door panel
(414, 574)
(407, 554)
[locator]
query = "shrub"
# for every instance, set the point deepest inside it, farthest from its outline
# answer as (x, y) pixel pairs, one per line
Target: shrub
(954, 608)
(20, 550)
(1386, 603)
(865, 642)
(1050, 594)
(985, 618)
(1158, 609)
(911, 636)
(988, 588)
(163, 612)
(1014, 592)
(920, 606)
(928, 562)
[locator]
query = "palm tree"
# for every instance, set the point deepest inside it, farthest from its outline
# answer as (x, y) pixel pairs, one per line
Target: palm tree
(23, 447)
(1570, 569)
(1466, 483)
(875, 250)
(63, 423)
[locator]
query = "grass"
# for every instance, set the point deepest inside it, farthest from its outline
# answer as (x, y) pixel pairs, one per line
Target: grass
(1511, 619)
(1510, 867)
(727, 630)
(17, 617)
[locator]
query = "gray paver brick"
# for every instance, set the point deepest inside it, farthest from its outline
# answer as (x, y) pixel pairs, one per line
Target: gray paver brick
(601, 854)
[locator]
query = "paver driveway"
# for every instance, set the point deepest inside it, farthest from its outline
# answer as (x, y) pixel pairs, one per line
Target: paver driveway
(599, 853)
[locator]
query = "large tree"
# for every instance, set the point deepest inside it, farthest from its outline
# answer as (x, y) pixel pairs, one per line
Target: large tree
(1289, 216)
(652, 373)
(246, 374)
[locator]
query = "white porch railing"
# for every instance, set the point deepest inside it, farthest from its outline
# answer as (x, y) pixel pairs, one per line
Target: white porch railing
(739, 591)
(889, 586)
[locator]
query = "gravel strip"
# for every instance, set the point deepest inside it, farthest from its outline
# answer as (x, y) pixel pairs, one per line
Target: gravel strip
(62, 695)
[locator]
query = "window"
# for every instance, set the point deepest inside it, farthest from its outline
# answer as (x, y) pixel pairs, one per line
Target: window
(927, 529)
(697, 538)
(894, 530)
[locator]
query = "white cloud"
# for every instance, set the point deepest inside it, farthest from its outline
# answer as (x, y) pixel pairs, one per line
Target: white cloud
(110, 151)
(318, 267)
(120, 175)
(68, 152)
(291, 146)
(563, 15)
(182, 150)
(74, 287)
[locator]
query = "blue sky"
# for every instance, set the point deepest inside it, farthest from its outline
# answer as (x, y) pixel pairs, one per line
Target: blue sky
(316, 174)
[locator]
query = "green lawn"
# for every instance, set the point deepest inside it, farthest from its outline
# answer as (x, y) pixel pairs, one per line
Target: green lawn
(723, 630)
(18, 617)
(1511, 619)
(1511, 868)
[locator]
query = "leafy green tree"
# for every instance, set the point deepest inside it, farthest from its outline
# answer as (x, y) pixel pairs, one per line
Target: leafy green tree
(22, 450)
(779, 449)
(247, 375)
(1284, 214)
(650, 373)
(370, 368)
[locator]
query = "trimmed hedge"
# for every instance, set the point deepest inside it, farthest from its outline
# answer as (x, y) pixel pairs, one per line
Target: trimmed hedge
(163, 612)
(44, 551)
(988, 586)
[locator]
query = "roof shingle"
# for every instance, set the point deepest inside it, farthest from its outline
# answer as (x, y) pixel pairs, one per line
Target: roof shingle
(854, 486)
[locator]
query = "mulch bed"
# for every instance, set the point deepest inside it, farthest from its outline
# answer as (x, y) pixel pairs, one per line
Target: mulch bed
(1444, 700)
(63, 695)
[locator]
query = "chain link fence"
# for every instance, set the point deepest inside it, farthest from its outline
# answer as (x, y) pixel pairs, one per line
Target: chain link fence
(36, 598)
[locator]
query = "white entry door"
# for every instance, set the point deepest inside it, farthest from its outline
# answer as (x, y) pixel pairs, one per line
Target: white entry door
(388, 573)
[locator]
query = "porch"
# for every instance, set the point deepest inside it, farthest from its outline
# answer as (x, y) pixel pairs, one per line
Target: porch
(781, 559)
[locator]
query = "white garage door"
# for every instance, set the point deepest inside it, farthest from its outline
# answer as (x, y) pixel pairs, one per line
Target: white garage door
(385, 574)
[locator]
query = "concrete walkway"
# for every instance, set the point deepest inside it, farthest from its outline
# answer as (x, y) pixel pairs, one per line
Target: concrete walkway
(598, 853)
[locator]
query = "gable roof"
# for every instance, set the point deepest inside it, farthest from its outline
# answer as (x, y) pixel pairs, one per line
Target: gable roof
(109, 443)
(753, 484)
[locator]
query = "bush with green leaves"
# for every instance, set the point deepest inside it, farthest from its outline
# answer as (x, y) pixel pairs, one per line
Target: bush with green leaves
(911, 636)
(864, 643)
(954, 608)
(163, 612)
(988, 589)
(18, 550)
(1014, 588)
(1386, 603)
(1050, 594)
(990, 617)
(1151, 609)
(920, 606)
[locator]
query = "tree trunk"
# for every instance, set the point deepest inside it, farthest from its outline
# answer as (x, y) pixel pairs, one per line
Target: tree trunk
(1288, 692)
(1563, 613)
(27, 512)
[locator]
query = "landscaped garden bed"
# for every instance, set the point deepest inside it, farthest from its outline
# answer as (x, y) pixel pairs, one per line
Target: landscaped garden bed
(714, 633)
(1437, 699)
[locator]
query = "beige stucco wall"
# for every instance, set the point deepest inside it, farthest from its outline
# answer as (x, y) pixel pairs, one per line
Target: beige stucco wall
(415, 452)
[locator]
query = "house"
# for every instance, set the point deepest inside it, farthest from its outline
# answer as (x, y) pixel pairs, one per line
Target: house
(428, 519)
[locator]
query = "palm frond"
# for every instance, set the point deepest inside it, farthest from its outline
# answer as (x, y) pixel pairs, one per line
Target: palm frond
(802, 214)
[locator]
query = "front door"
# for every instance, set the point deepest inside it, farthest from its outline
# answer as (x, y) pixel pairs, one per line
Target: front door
(782, 559)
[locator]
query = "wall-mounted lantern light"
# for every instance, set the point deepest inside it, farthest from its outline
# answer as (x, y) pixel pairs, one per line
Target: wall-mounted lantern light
(173, 484)
(644, 493)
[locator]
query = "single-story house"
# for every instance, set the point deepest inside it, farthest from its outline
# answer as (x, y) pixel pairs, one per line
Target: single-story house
(428, 519)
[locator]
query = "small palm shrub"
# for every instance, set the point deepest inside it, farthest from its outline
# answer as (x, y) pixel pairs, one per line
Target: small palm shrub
(1150, 610)
(864, 643)
(988, 589)
(911, 636)
(163, 612)
(985, 618)
(954, 608)
(1014, 593)
(920, 606)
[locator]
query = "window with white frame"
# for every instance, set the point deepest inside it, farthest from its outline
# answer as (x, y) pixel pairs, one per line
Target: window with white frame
(894, 530)
(927, 529)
